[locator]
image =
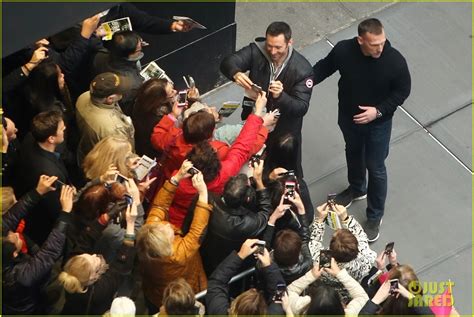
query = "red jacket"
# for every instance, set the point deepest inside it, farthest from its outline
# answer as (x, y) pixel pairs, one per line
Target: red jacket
(168, 138)
(237, 155)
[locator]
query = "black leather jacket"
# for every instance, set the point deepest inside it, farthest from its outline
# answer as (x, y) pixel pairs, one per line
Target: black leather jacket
(24, 276)
(229, 228)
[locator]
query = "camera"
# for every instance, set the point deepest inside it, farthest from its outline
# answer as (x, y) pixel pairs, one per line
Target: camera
(280, 291)
(260, 247)
(389, 248)
(325, 258)
(193, 171)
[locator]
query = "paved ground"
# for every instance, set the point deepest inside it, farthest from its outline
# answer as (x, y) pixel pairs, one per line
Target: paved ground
(428, 212)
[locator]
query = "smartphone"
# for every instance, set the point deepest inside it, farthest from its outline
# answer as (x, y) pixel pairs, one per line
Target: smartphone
(120, 178)
(128, 199)
(182, 98)
(191, 82)
(280, 291)
(290, 187)
(389, 248)
(145, 164)
(260, 247)
(257, 88)
(325, 258)
(393, 285)
(331, 199)
(288, 173)
(58, 184)
(193, 171)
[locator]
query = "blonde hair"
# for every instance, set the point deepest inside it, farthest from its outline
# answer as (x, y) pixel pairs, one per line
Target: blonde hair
(250, 302)
(153, 241)
(8, 199)
(110, 150)
(76, 274)
(178, 298)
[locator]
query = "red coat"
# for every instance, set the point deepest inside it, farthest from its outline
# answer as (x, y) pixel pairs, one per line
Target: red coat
(231, 164)
(168, 138)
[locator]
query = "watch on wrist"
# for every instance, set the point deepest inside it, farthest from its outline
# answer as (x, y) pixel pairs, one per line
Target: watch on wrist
(379, 114)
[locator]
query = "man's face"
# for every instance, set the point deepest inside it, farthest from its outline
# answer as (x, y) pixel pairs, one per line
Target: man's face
(371, 44)
(277, 47)
(59, 137)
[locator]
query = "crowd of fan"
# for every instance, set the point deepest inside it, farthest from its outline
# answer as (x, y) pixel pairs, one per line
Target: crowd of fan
(86, 229)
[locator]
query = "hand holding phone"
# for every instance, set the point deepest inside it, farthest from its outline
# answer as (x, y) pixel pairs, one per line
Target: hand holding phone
(280, 291)
(393, 286)
(257, 88)
(389, 248)
(325, 259)
(182, 98)
(260, 247)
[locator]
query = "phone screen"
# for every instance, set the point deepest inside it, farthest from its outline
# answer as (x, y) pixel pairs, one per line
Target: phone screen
(182, 98)
(393, 286)
(280, 291)
(324, 258)
(389, 247)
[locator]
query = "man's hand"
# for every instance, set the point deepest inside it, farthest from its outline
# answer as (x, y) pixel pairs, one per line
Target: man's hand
(334, 269)
(180, 26)
(183, 171)
(248, 247)
(260, 103)
(298, 203)
(341, 211)
(276, 88)
(89, 26)
(38, 56)
(66, 198)
(369, 114)
(264, 258)
(322, 212)
(242, 80)
(45, 184)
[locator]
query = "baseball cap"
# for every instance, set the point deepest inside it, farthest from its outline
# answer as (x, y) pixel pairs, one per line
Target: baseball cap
(106, 84)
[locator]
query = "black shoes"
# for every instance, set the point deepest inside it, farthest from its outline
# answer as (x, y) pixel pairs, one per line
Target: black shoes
(346, 197)
(372, 229)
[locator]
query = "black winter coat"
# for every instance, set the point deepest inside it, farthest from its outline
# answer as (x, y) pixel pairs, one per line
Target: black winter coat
(24, 276)
(297, 79)
(305, 261)
(228, 228)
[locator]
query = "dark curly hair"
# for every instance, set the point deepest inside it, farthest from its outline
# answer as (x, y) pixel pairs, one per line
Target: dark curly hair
(205, 159)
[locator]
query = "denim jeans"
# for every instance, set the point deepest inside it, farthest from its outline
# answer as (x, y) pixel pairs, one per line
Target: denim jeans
(367, 148)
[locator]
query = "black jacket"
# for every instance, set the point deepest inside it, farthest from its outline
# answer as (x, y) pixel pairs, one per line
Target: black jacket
(228, 228)
(382, 82)
(34, 162)
(217, 297)
(99, 296)
(305, 261)
(25, 275)
(297, 79)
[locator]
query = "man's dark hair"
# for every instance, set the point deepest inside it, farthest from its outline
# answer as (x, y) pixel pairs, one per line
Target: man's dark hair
(277, 28)
(45, 124)
(198, 127)
(286, 248)
(124, 43)
(344, 246)
(324, 301)
(236, 191)
(373, 26)
(205, 159)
